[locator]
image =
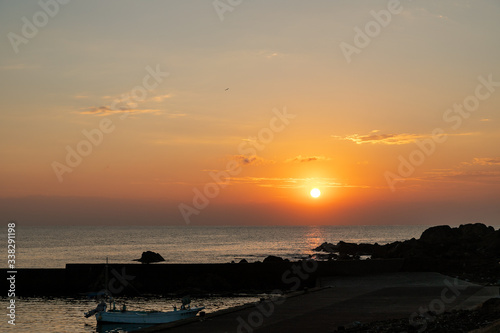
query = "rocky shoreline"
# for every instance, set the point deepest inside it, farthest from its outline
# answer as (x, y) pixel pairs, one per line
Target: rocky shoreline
(454, 321)
(470, 252)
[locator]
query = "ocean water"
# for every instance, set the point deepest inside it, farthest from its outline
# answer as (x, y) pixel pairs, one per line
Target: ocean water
(65, 315)
(55, 246)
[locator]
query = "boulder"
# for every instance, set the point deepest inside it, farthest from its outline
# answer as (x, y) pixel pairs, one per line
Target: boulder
(439, 234)
(149, 257)
(491, 306)
(490, 244)
(347, 248)
(474, 232)
(326, 247)
(273, 259)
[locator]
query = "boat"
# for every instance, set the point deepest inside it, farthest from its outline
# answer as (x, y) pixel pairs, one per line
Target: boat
(125, 316)
(145, 317)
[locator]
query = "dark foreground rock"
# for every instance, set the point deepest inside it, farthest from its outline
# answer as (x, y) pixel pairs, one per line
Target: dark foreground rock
(471, 251)
(149, 257)
(454, 321)
(274, 259)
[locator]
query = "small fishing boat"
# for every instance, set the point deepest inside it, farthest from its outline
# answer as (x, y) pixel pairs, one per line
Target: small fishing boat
(142, 317)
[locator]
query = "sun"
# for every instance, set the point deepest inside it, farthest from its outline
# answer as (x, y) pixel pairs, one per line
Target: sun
(315, 193)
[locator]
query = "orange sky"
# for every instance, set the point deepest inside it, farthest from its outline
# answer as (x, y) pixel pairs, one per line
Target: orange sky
(119, 113)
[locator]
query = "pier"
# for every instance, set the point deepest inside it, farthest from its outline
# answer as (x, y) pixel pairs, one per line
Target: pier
(168, 279)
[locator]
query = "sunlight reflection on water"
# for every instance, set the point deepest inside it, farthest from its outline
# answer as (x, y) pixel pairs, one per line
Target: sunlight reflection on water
(63, 315)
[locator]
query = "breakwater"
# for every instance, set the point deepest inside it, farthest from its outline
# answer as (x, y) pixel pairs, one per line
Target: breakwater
(167, 279)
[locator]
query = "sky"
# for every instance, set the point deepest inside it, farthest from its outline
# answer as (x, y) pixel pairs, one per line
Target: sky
(229, 112)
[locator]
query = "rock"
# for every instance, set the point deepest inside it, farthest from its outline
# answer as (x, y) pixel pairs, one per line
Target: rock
(243, 261)
(474, 232)
(490, 244)
(347, 248)
(491, 306)
(470, 250)
(273, 259)
(149, 257)
(326, 247)
(344, 248)
(439, 234)
(324, 256)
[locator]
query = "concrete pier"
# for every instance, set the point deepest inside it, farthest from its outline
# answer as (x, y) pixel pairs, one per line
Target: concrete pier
(164, 279)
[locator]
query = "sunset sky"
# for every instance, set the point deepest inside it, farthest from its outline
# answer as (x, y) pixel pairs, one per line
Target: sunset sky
(230, 112)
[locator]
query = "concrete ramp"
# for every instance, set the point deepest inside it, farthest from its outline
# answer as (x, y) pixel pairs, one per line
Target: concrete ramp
(341, 301)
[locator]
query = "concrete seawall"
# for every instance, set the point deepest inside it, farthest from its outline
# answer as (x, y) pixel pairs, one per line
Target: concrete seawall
(162, 279)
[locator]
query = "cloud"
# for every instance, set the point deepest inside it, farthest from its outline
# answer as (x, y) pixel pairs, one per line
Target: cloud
(300, 159)
(389, 139)
(160, 98)
(479, 170)
(106, 110)
(270, 54)
(417, 14)
(291, 183)
(474, 176)
(250, 160)
(486, 161)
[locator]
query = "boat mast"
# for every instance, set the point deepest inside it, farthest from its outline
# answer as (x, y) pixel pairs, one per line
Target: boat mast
(106, 277)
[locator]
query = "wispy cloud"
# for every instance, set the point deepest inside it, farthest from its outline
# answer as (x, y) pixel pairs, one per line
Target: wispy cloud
(479, 170)
(270, 54)
(374, 137)
(417, 14)
(276, 182)
(301, 159)
(161, 98)
(106, 110)
(250, 160)
(387, 139)
(475, 176)
(486, 161)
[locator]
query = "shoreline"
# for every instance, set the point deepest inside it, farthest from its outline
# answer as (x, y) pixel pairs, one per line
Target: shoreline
(347, 304)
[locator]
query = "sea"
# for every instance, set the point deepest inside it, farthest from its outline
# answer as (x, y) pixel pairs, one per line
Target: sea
(55, 246)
